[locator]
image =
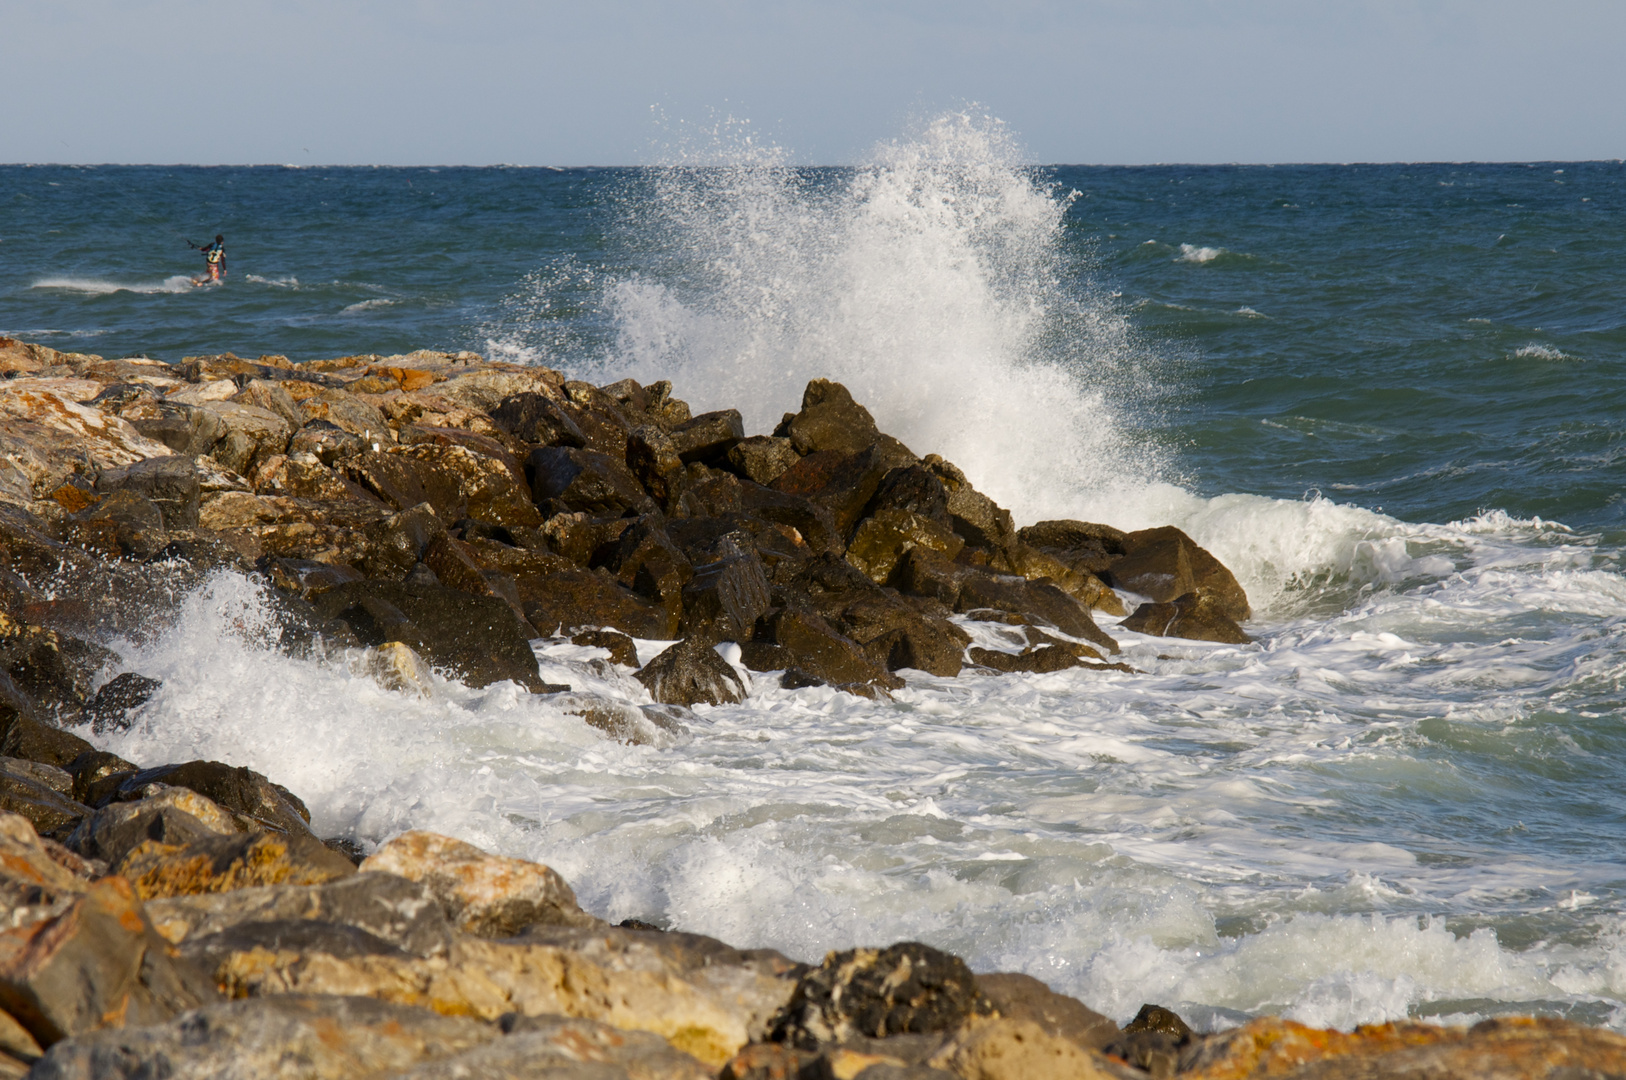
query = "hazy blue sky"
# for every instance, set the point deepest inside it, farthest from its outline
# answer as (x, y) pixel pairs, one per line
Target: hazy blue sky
(485, 81)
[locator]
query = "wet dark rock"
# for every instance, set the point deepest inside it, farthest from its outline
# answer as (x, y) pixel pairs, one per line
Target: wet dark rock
(907, 988)
(1081, 544)
(653, 460)
(975, 516)
(690, 673)
(92, 766)
(397, 543)
(572, 599)
(708, 436)
(1037, 599)
(453, 479)
(22, 736)
(1152, 1041)
(185, 429)
(306, 578)
(1197, 616)
(98, 964)
(644, 559)
(40, 793)
(817, 648)
(1041, 660)
(725, 598)
(585, 480)
(477, 637)
(121, 695)
(253, 800)
(829, 420)
(1165, 564)
(623, 650)
(840, 483)
(578, 536)
(881, 539)
(54, 670)
(912, 488)
(123, 524)
(534, 418)
(761, 458)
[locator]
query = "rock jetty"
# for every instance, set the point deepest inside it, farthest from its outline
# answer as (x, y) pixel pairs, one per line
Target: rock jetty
(438, 511)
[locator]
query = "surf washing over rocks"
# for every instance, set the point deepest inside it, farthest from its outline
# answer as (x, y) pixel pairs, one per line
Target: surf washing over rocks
(1362, 815)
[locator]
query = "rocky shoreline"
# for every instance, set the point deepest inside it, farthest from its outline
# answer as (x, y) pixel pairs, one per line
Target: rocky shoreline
(440, 512)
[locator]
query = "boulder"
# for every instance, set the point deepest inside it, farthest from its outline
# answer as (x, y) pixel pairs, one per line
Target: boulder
(644, 559)
(907, 988)
(477, 637)
(829, 420)
(725, 598)
(172, 817)
(1165, 564)
(217, 863)
(38, 793)
(1197, 615)
(290, 1037)
(689, 673)
(634, 725)
(97, 964)
(1038, 600)
(402, 913)
(35, 878)
(455, 480)
(563, 1047)
(1502, 1048)
(270, 394)
(653, 460)
(815, 647)
(23, 736)
(882, 538)
(253, 435)
(900, 1057)
(913, 488)
(1080, 544)
(974, 515)
(708, 436)
(104, 441)
(170, 483)
(253, 801)
(841, 483)
(578, 536)
(487, 895)
(327, 442)
(54, 670)
(810, 522)
(183, 428)
(123, 524)
(1041, 660)
(395, 544)
(761, 458)
(536, 418)
(585, 480)
(996, 1048)
(348, 412)
(1022, 997)
(623, 650)
(572, 599)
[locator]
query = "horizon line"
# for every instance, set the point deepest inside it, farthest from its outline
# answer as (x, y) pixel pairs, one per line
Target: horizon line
(848, 165)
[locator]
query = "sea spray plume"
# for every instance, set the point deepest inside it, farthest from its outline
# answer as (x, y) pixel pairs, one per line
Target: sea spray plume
(933, 281)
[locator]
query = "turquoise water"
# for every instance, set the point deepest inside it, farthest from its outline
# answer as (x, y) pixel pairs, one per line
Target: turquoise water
(1389, 396)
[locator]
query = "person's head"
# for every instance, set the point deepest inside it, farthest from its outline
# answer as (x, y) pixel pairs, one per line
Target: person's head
(219, 239)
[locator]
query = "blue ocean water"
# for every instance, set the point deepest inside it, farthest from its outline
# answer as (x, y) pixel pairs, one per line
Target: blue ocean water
(1389, 396)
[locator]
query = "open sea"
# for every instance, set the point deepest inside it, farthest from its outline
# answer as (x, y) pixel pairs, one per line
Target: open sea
(1392, 398)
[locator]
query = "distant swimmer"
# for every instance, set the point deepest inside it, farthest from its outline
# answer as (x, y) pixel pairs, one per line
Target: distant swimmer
(214, 257)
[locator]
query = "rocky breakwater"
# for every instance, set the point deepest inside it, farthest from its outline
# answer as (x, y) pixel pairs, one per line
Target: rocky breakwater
(435, 511)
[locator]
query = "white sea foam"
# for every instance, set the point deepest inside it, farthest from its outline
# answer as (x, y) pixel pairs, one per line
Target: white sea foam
(1194, 254)
(1536, 351)
(179, 283)
(1126, 838)
(365, 305)
(289, 282)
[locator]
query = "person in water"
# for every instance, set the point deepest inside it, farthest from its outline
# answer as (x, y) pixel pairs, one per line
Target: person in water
(215, 257)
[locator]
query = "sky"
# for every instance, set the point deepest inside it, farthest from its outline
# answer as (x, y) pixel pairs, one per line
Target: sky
(618, 82)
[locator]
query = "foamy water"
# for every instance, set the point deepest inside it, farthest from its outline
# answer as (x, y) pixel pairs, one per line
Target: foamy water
(177, 283)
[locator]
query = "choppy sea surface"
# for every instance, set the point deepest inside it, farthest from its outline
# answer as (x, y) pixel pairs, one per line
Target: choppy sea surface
(1392, 398)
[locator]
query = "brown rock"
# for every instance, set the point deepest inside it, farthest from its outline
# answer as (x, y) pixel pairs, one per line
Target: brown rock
(1022, 997)
(761, 458)
(818, 649)
(841, 483)
(1165, 563)
(907, 988)
(557, 1046)
(349, 413)
(653, 460)
(1080, 544)
(537, 418)
(473, 441)
(571, 599)
(487, 895)
(881, 540)
(725, 599)
(623, 650)
(253, 435)
(1041, 660)
(1197, 616)
(455, 480)
(328, 442)
(98, 964)
(185, 429)
(252, 801)
(689, 673)
(976, 517)
(28, 794)
(830, 420)
(223, 863)
(708, 436)
(644, 559)
(1005, 1049)
(585, 480)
